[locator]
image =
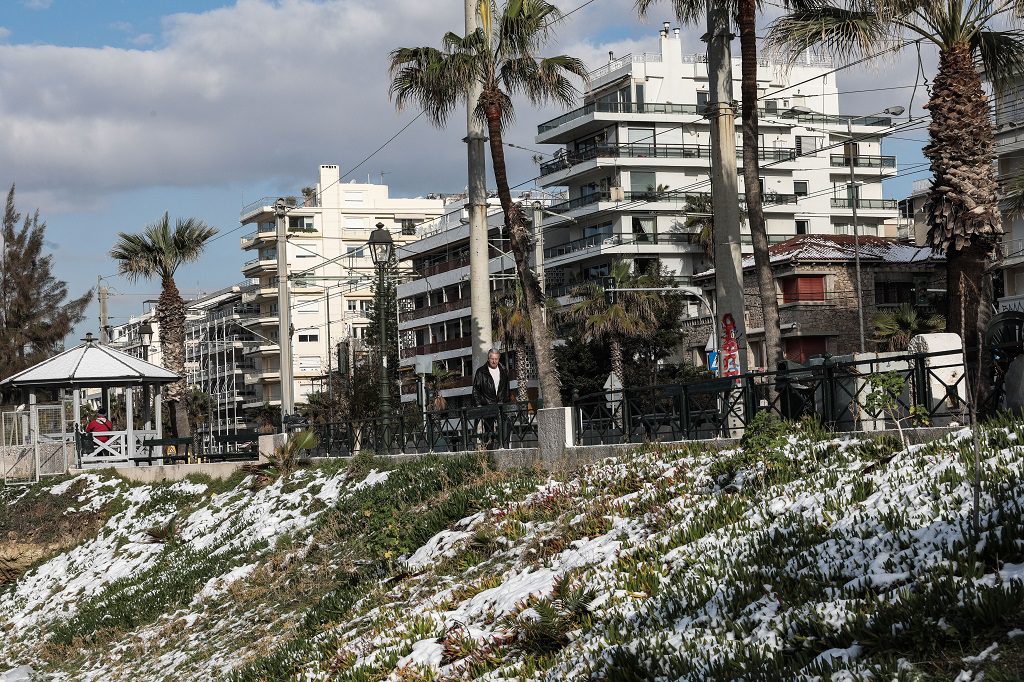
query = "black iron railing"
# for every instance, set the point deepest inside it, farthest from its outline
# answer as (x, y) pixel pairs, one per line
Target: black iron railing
(839, 394)
(512, 425)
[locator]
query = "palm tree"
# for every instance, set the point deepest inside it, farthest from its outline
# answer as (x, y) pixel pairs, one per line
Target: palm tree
(745, 14)
(962, 207)
(502, 58)
(632, 314)
(894, 328)
(158, 252)
(512, 327)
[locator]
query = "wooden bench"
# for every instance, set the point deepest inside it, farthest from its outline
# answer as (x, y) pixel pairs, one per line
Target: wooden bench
(181, 447)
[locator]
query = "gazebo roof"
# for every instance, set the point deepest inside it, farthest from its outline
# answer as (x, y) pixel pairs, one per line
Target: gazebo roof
(90, 365)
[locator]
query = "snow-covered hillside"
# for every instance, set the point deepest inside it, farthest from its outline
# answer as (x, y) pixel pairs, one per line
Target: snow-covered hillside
(797, 556)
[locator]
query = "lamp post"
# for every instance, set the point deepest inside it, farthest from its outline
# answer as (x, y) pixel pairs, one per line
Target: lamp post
(381, 250)
(854, 198)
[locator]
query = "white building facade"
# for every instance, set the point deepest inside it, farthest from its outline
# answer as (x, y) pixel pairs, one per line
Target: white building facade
(635, 160)
(328, 227)
(1009, 139)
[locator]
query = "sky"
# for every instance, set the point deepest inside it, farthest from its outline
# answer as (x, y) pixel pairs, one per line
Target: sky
(116, 111)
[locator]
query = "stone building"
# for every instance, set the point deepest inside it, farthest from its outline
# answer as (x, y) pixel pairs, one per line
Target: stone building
(814, 278)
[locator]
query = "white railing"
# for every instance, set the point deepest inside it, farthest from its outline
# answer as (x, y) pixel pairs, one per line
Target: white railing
(116, 448)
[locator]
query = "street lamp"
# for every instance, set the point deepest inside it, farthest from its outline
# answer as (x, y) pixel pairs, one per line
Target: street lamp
(854, 195)
(381, 250)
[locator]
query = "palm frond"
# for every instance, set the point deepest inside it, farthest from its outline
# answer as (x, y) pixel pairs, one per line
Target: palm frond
(1001, 55)
(689, 12)
(429, 78)
(847, 33)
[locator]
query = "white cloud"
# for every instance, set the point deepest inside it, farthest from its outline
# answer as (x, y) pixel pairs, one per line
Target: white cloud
(142, 39)
(5, 33)
(261, 91)
(37, 4)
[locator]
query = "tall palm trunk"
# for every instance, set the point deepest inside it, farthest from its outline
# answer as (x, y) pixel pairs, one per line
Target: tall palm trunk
(522, 376)
(747, 20)
(962, 208)
(170, 314)
(618, 367)
(519, 240)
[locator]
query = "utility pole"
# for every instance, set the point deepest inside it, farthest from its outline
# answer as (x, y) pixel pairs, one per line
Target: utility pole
(724, 189)
(854, 195)
(102, 296)
(284, 312)
(538, 250)
(479, 253)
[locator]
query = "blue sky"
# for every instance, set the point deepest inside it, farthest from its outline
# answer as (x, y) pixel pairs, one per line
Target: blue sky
(118, 110)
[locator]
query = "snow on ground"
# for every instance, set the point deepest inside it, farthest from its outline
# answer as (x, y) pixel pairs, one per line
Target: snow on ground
(658, 565)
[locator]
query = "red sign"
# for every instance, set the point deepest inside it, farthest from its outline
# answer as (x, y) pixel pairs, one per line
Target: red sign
(729, 359)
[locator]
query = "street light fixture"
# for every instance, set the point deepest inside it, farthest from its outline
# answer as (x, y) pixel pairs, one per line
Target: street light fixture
(854, 195)
(381, 250)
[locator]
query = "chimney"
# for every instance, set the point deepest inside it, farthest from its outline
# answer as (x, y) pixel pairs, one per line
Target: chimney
(329, 174)
(664, 29)
(675, 31)
(611, 56)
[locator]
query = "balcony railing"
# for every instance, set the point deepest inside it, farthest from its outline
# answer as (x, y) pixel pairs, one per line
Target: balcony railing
(609, 239)
(437, 347)
(635, 150)
(618, 108)
(427, 311)
(692, 109)
(768, 199)
(444, 266)
(845, 202)
(860, 161)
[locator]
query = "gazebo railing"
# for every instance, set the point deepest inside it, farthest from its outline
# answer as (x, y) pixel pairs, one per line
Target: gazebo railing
(117, 448)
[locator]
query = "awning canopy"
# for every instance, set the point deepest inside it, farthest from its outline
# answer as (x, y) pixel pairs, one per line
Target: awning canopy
(90, 365)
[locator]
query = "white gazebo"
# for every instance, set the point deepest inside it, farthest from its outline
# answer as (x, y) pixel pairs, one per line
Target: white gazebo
(93, 365)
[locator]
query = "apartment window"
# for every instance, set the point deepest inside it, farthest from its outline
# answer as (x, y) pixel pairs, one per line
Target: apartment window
(800, 188)
(308, 336)
(702, 102)
(803, 348)
(303, 250)
(808, 145)
(300, 223)
(642, 181)
(894, 293)
(801, 226)
(309, 363)
(643, 229)
(409, 226)
(351, 305)
(803, 288)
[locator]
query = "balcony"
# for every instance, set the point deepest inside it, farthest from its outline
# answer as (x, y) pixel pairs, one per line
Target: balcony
(693, 109)
(617, 108)
(444, 266)
(768, 199)
(860, 161)
(259, 263)
(867, 204)
(437, 347)
(427, 311)
(653, 151)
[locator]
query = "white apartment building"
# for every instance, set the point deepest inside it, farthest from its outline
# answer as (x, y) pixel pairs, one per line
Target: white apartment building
(328, 227)
(216, 340)
(139, 336)
(1009, 138)
(639, 147)
(434, 319)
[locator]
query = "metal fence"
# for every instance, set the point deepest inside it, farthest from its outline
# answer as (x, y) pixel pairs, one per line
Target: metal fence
(838, 393)
(35, 443)
(512, 425)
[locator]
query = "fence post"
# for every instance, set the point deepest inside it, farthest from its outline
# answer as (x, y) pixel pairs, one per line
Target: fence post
(430, 431)
(920, 393)
(627, 416)
(464, 428)
(684, 411)
(828, 395)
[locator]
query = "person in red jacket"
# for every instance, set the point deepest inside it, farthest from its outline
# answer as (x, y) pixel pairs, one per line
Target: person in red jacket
(100, 424)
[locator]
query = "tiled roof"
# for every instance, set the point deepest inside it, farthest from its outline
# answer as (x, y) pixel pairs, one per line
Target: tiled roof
(91, 364)
(840, 247)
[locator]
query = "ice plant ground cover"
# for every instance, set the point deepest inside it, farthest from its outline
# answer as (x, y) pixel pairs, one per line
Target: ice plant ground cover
(800, 555)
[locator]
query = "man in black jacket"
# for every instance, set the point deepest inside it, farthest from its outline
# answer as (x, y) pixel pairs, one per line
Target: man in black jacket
(490, 387)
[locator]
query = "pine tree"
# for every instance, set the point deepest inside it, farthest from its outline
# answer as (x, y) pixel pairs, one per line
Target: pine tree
(35, 313)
